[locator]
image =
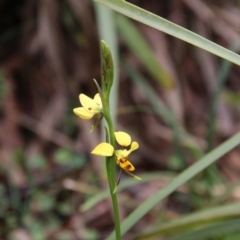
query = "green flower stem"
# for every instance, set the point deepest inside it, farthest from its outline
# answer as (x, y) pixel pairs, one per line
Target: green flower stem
(107, 81)
(111, 172)
(111, 165)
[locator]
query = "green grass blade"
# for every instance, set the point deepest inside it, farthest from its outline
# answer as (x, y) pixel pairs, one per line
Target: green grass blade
(196, 220)
(140, 48)
(212, 175)
(162, 110)
(221, 80)
(214, 230)
(129, 182)
(170, 28)
(182, 178)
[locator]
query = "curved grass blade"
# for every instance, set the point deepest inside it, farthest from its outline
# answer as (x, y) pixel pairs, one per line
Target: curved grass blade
(144, 53)
(214, 230)
(97, 198)
(195, 220)
(170, 28)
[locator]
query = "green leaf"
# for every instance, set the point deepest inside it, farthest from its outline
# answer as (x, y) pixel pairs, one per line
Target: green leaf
(139, 46)
(212, 230)
(170, 28)
(93, 201)
(195, 220)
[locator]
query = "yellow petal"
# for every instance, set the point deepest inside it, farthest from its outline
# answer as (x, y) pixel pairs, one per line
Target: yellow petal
(125, 164)
(82, 113)
(133, 147)
(103, 149)
(97, 99)
(121, 153)
(89, 104)
(123, 138)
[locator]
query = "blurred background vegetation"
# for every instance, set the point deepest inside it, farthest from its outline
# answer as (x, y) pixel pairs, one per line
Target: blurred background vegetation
(176, 100)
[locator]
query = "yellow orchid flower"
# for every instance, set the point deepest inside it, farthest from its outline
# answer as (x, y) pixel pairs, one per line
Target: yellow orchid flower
(106, 149)
(90, 107)
(124, 140)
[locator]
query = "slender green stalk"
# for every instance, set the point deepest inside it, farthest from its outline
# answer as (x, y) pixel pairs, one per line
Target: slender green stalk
(107, 79)
(110, 162)
(111, 172)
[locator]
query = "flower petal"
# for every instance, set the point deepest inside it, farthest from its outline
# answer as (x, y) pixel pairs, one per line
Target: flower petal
(125, 164)
(133, 147)
(82, 113)
(121, 153)
(123, 138)
(103, 149)
(89, 104)
(97, 99)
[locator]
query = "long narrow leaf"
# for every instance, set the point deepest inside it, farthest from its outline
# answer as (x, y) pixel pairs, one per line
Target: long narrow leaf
(127, 183)
(162, 110)
(196, 220)
(212, 230)
(170, 28)
(221, 80)
(144, 53)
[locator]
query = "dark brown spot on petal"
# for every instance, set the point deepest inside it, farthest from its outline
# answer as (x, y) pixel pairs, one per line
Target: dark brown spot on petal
(128, 167)
(123, 160)
(89, 109)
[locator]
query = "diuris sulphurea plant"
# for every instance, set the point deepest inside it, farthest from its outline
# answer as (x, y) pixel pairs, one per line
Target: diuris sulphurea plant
(98, 108)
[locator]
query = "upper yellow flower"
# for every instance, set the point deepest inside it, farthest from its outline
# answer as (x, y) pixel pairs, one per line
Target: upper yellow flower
(90, 107)
(123, 139)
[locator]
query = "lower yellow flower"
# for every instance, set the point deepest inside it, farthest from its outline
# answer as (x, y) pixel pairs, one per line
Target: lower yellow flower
(90, 107)
(106, 149)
